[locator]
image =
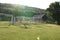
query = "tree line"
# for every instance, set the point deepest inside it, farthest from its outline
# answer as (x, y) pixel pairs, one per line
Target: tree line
(18, 10)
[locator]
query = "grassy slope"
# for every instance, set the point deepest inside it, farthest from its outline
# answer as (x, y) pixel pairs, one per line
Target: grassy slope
(44, 31)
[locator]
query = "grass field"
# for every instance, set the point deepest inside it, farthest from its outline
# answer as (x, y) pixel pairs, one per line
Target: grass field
(18, 32)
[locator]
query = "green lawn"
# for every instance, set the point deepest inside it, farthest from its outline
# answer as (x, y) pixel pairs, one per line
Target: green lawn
(18, 32)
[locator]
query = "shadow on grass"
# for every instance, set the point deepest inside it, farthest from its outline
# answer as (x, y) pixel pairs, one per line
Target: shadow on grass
(4, 27)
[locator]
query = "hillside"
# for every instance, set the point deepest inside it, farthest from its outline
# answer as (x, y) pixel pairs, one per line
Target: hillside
(19, 10)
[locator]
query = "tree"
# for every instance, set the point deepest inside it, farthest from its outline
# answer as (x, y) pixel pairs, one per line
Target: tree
(53, 12)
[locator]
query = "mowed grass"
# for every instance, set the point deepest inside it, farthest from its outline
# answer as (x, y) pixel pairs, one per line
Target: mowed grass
(19, 32)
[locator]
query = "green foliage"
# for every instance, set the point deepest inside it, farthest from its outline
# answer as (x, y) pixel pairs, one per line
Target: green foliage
(54, 11)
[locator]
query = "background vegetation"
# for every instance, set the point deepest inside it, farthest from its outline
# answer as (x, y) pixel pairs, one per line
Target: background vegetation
(53, 12)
